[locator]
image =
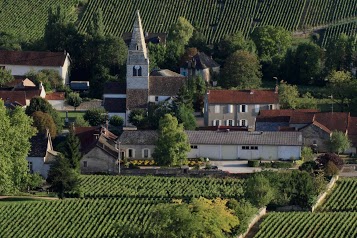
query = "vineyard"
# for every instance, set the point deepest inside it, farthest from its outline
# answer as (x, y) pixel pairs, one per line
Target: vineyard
(159, 187)
(27, 18)
(343, 198)
(306, 224)
(350, 29)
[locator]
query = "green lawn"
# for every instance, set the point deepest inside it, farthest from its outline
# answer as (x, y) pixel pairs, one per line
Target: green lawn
(71, 115)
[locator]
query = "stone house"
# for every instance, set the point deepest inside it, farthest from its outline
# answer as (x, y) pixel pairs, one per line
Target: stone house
(41, 154)
(22, 62)
(237, 107)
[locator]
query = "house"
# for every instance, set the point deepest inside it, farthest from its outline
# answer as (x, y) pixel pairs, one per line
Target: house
(41, 154)
(201, 65)
(237, 107)
(219, 145)
(140, 87)
(316, 127)
(99, 149)
(57, 100)
(22, 62)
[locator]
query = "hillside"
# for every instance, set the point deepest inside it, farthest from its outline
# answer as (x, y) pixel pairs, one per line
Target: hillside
(214, 18)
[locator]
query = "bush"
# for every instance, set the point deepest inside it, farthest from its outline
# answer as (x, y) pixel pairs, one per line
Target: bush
(95, 117)
(308, 166)
(277, 165)
(34, 181)
(253, 163)
(116, 121)
(74, 99)
(244, 210)
(307, 154)
(331, 169)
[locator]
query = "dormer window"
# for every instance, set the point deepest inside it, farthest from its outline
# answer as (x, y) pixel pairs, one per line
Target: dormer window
(137, 71)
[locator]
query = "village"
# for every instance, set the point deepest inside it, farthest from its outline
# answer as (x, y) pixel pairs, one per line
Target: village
(163, 121)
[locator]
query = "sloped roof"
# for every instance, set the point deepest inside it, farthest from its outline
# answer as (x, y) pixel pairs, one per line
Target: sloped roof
(352, 126)
(165, 73)
(115, 88)
(136, 98)
(165, 86)
(139, 137)
(302, 117)
(10, 97)
(115, 105)
(284, 112)
(202, 61)
(245, 138)
(243, 96)
(32, 58)
(317, 124)
(155, 38)
(56, 96)
(333, 120)
(38, 145)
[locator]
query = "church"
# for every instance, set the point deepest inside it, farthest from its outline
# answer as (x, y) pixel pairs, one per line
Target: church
(141, 86)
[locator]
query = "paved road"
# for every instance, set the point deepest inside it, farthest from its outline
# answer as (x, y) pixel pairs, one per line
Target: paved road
(235, 166)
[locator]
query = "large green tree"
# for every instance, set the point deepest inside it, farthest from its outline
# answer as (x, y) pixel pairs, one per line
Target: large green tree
(339, 142)
(95, 116)
(172, 144)
(49, 78)
(5, 77)
(14, 146)
(43, 122)
(288, 96)
(70, 150)
(9, 41)
(242, 70)
(259, 191)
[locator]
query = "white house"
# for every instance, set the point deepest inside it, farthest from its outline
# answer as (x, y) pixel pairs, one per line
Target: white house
(41, 154)
(21, 62)
(217, 145)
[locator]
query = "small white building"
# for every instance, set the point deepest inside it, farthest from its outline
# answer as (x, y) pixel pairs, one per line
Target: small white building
(22, 62)
(41, 154)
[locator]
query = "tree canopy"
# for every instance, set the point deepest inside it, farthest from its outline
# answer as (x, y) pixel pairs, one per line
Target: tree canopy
(5, 77)
(16, 131)
(242, 70)
(339, 142)
(95, 116)
(172, 144)
(43, 122)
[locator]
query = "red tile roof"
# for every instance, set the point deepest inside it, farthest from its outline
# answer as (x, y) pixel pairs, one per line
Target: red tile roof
(56, 96)
(32, 58)
(284, 112)
(352, 126)
(333, 120)
(10, 97)
(243, 96)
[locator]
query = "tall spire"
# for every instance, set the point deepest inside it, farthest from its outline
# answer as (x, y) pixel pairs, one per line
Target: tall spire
(138, 40)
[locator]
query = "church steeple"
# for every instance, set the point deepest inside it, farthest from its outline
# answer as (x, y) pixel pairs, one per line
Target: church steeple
(138, 40)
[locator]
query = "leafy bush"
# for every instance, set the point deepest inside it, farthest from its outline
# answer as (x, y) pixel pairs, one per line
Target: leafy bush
(253, 163)
(95, 117)
(74, 99)
(277, 165)
(307, 154)
(331, 169)
(34, 180)
(244, 210)
(116, 121)
(308, 166)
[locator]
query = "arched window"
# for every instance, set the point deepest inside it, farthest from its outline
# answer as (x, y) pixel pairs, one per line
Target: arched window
(134, 71)
(137, 70)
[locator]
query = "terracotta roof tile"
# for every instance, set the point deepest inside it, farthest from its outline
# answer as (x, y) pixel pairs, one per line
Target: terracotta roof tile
(284, 112)
(10, 97)
(165, 86)
(33, 58)
(333, 120)
(243, 96)
(56, 96)
(352, 126)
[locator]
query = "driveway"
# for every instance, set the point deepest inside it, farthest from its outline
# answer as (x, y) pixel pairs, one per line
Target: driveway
(235, 166)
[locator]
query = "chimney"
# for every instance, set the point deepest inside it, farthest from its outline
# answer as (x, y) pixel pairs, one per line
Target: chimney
(276, 90)
(40, 86)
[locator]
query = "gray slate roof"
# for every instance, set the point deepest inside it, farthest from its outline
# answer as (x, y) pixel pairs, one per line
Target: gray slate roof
(219, 138)
(245, 137)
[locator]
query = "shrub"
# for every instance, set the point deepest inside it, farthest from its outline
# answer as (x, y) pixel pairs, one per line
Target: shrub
(325, 158)
(307, 154)
(308, 166)
(74, 99)
(331, 169)
(253, 163)
(116, 121)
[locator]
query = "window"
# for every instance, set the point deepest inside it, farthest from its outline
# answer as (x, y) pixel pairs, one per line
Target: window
(131, 153)
(243, 108)
(254, 147)
(216, 122)
(256, 108)
(230, 108)
(146, 153)
(193, 146)
(271, 106)
(85, 164)
(216, 108)
(230, 123)
(156, 98)
(245, 147)
(30, 167)
(243, 123)
(137, 70)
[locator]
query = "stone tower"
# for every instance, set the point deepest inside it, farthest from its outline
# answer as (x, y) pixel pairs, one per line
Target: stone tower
(137, 69)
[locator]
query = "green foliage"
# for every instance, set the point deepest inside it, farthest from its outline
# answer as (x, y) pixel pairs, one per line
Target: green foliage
(288, 96)
(325, 158)
(62, 177)
(339, 142)
(74, 99)
(43, 122)
(308, 166)
(16, 132)
(9, 41)
(49, 78)
(307, 154)
(244, 210)
(95, 116)
(253, 163)
(5, 77)
(80, 122)
(34, 181)
(242, 70)
(258, 190)
(40, 104)
(181, 31)
(172, 144)
(331, 169)
(70, 150)
(138, 117)
(116, 121)
(186, 117)
(200, 218)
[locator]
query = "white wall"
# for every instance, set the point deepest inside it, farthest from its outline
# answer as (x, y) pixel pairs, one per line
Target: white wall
(57, 104)
(286, 152)
(160, 98)
(39, 166)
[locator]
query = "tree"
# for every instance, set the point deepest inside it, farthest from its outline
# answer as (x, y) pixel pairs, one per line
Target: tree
(80, 122)
(139, 118)
(16, 131)
(172, 144)
(9, 41)
(95, 116)
(49, 78)
(186, 117)
(325, 158)
(74, 99)
(70, 150)
(307, 101)
(34, 181)
(242, 70)
(258, 190)
(40, 104)
(339, 142)
(200, 218)
(116, 121)
(181, 31)
(307, 154)
(288, 96)
(62, 177)
(199, 41)
(5, 77)
(43, 122)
